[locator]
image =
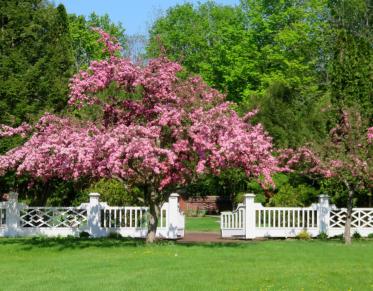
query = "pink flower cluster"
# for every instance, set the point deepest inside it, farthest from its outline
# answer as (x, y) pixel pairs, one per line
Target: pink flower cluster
(347, 154)
(370, 134)
(110, 42)
(304, 159)
(22, 130)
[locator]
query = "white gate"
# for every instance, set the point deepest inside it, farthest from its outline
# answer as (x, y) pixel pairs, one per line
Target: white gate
(251, 220)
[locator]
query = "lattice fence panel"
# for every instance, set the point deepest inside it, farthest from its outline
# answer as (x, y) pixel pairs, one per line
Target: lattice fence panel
(360, 218)
(53, 217)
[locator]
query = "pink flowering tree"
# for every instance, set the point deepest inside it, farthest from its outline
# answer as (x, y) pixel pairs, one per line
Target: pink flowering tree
(370, 134)
(152, 129)
(346, 159)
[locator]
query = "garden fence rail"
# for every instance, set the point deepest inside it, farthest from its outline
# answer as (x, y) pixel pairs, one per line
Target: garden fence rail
(96, 218)
(252, 220)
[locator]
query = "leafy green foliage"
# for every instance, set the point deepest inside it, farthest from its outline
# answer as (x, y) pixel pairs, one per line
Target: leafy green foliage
(36, 59)
(207, 40)
(113, 192)
(288, 195)
(322, 236)
(356, 235)
(351, 66)
(304, 235)
(85, 41)
(35, 65)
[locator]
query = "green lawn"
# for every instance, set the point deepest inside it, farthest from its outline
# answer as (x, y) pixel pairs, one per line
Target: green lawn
(73, 264)
(206, 223)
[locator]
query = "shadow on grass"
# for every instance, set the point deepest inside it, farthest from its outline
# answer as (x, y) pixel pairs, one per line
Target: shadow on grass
(61, 244)
(70, 243)
(83, 243)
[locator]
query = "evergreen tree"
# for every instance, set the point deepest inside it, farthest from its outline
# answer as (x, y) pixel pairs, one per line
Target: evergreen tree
(36, 59)
(351, 66)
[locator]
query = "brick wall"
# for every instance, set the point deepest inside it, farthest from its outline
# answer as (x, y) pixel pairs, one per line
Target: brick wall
(210, 204)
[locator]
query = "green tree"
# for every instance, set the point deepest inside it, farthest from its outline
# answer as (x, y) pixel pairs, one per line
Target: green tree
(267, 54)
(84, 40)
(36, 59)
(289, 37)
(35, 66)
(351, 66)
(208, 40)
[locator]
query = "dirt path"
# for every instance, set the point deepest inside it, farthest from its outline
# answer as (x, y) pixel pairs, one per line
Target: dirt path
(205, 237)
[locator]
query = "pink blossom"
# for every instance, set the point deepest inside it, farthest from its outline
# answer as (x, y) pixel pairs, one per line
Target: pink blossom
(370, 134)
(22, 130)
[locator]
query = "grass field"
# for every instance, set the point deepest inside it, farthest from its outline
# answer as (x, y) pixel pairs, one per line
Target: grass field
(108, 264)
(206, 223)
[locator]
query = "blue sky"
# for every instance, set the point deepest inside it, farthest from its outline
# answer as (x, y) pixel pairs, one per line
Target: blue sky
(135, 15)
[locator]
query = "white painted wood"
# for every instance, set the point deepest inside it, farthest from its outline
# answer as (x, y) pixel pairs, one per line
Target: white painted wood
(95, 217)
(259, 221)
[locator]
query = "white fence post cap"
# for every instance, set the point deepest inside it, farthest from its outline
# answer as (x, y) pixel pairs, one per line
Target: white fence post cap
(174, 195)
(94, 195)
(323, 196)
(249, 195)
(13, 195)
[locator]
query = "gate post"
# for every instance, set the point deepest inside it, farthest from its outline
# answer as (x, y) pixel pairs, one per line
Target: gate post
(12, 215)
(324, 213)
(249, 216)
(93, 215)
(173, 216)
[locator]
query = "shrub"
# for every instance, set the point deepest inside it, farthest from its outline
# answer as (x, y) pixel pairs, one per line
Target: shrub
(84, 234)
(370, 235)
(114, 235)
(201, 213)
(340, 237)
(322, 236)
(304, 235)
(356, 235)
(196, 212)
(289, 195)
(113, 192)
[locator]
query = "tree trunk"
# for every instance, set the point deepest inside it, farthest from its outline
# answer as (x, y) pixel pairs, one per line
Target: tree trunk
(154, 211)
(347, 231)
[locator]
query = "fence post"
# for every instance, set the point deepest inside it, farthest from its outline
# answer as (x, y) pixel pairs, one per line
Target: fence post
(173, 215)
(249, 216)
(12, 215)
(93, 215)
(324, 213)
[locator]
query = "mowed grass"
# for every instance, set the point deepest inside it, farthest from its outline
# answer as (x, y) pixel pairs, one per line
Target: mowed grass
(206, 223)
(107, 264)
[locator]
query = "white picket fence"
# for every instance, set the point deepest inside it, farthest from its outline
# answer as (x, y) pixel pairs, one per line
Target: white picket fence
(252, 220)
(97, 218)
